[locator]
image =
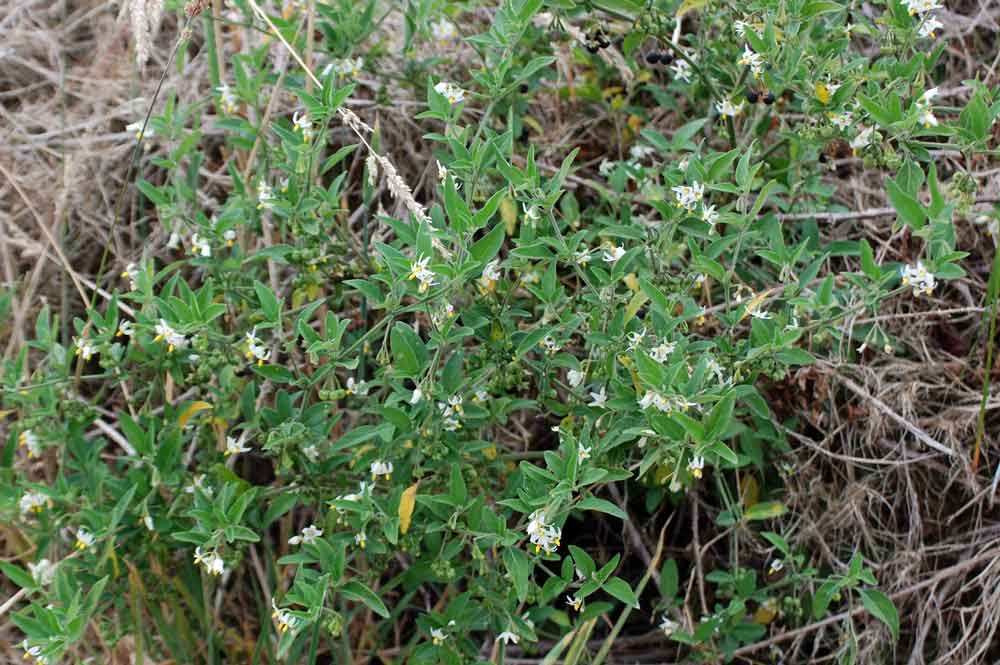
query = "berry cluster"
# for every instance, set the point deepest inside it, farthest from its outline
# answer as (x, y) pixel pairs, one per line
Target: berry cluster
(753, 96)
(597, 40)
(659, 57)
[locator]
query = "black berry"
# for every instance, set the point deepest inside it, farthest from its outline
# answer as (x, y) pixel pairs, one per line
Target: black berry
(666, 58)
(769, 98)
(524, 88)
(592, 49)
(822, 158)
(752, 96)
(652, 57)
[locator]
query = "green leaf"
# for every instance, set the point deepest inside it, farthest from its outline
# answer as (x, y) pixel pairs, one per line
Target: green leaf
(909, 209)
(602, 506)
(882, 608)
(18, 575)
(868, 264)
(355, 590)
(487, 247)
(519, 566)
(669, 579)
(268, 302)
(620, 589)
(408, 351)
(815, 8)
(794, 356)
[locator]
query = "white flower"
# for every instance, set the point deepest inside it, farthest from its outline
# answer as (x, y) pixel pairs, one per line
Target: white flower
(696, 465)
(438, 636)
(454, 94)
(921, 6)
(420, 272)
(131, 273)
(147, 522)
(927, 119)
(507, 637)
(417, 395)
(662, 352)
(641, 152)
(709, 214)
(381, 468)
(863, 139)
(125, 328)
(199, 245)
(635, 338)
(582, 453)
(929, 27)
(490, 276)
(33, 502)
(605, 167)
(360, 539)
(668, 626)
(740, 27)
(346, 67)
(443, 31)
(356, 387)
(775, 567)
(726, 107)
(265, 196)
(256, 348)
(752, 60)
(531, 214)
(451, 424)
(311, 452)
(230, 103)
(841, 120)
(919, 278)
(543, 536)
(575, 377)
(236, 446)
(42, 572)
(211, 561)
(84, 348)
(33, 652)
(598, 399)
(442, 172)
(303, 124)
(30, 440)
(688, 196)
(574, 602)
(582, 257)
(137, 128)
(285, 620)
(307, 537)
(681, 70)
(761, 314)
(924, 107)
(84, 539)
(612, 255)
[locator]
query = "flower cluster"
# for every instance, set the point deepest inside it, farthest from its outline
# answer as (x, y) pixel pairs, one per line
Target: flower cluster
(211, 561)
(753, 60)
(344, 67)
(420, 272)
(919, 278)
(926, 113)
(543, 536)
(929, 24)
(173, 339)
(256, 350)
(664, 403)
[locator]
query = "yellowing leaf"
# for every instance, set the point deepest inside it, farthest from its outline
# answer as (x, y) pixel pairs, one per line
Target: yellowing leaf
(765, 511)
(634, 305)
(508, 213)
(766, 613)
(534, 124)
(754, 304)
(406, 504)
(750, 491)
(822, 93)
(188, 413)
(690, 5)
(631, 281)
